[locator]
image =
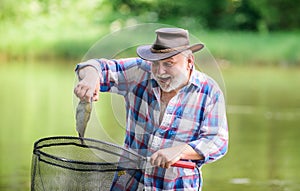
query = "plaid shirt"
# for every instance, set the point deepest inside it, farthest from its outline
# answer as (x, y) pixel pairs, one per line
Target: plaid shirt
(196, 115)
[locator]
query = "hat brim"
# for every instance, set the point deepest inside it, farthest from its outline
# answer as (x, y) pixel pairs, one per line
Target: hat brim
(145, 52)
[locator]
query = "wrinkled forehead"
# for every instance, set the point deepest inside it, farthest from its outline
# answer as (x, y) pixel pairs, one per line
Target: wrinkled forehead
(175, 58)
(165, 60)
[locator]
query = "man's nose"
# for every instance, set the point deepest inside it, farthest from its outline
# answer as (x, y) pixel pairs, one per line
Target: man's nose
(161, 69)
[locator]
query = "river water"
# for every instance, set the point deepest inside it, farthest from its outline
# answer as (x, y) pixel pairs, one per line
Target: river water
(263, 105)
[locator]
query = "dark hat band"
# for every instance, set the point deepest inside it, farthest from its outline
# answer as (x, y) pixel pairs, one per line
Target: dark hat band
(167, 50)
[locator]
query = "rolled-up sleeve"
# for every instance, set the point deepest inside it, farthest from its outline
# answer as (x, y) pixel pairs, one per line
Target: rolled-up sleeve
(117, 75)
(213, 140)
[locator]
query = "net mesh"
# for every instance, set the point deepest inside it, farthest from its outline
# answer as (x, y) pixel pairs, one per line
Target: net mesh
(71, 163)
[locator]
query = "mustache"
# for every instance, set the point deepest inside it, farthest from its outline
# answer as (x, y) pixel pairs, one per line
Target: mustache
(163, 76)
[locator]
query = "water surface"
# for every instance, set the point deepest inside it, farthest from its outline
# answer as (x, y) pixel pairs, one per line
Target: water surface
(263, 114)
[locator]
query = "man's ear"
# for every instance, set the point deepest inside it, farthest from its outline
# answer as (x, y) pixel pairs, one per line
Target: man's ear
(190, 60)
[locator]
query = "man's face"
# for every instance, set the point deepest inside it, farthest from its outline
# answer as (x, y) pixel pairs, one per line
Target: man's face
(172, 73)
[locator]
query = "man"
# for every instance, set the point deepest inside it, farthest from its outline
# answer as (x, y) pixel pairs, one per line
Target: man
(174, 112)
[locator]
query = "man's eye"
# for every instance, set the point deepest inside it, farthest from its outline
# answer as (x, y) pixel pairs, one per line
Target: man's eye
(165, 64)
(168, 64)
(155, 64)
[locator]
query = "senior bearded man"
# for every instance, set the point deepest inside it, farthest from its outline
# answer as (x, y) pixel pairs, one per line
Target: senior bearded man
(174, 112)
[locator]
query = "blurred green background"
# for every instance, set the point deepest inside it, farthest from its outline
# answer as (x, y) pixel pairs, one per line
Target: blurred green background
(256, 44)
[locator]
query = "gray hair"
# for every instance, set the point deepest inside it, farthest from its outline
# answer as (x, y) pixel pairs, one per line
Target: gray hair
(187, 52)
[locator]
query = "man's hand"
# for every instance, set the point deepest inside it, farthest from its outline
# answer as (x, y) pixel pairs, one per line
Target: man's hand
(89, 84)
(168, 156)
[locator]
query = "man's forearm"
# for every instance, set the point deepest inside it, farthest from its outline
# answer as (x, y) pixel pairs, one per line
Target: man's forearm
(87, 71)
(190, 154)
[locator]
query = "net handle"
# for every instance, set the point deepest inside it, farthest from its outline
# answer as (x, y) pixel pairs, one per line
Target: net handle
(184, 164)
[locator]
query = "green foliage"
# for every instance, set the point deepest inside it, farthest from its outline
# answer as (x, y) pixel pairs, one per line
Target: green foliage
(248, 48)
(278, 14)
(222, 14)
(66, 29)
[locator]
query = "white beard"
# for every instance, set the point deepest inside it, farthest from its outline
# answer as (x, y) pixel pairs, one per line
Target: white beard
(174, 82)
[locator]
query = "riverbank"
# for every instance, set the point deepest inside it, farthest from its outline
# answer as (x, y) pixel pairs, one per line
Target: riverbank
(24, 41)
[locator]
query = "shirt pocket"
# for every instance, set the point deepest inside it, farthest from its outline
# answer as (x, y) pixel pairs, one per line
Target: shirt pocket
(186, 128)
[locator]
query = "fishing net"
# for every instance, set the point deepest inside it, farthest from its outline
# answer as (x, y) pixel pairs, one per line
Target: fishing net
(71, 163)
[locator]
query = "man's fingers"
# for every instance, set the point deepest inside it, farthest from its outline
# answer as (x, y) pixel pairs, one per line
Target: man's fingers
(167, 165)
(154, 160)
(159, 160)
(96, 96)
(96, 92)
(83, 91)
(79, 91)
(166, 157)
(89, 85)
(89, 94)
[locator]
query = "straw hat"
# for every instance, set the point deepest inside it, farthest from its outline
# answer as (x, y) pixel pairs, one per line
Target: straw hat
(169, 42)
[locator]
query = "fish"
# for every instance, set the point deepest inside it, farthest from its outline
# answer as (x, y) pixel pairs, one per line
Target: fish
(83, 114)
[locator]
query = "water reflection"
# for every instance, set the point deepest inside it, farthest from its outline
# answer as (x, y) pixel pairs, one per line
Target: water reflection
(263, 155)
(264, 136)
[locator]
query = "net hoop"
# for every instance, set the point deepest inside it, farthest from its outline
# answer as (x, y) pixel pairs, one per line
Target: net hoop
(83, 143)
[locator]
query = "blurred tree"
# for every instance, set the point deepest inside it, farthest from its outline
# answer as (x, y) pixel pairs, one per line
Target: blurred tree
(221, 14)
(207, 13)
(244, 16)
(279, 14)
(10, 9)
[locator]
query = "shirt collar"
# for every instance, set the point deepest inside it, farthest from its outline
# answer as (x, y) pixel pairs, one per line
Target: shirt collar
(197, 78)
